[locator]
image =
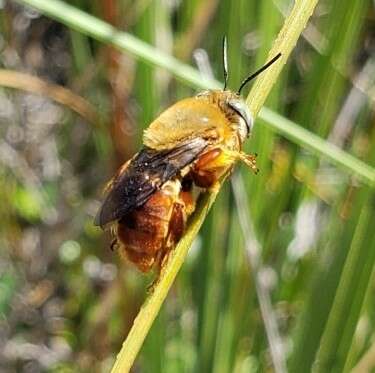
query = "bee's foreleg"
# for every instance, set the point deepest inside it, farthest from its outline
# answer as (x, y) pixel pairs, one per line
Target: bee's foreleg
(114, 244)
(249, 160)
(233, 155)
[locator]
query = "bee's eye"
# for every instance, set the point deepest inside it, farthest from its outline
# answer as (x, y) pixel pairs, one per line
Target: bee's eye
(241, 109)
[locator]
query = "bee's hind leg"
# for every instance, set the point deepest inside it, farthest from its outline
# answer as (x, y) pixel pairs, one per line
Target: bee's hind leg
(114, 244)
(175, 232)
(159, 264)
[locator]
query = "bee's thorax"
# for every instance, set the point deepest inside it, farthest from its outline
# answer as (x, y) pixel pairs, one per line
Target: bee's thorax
(234, 108)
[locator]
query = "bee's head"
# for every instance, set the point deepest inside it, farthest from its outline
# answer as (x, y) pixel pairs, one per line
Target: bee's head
(234, 102)
(241, 115)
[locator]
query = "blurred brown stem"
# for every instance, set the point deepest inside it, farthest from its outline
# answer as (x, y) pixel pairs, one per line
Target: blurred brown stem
(64, 96)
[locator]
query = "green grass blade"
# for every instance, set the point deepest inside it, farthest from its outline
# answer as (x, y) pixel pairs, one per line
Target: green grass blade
(317, 145)
(353, 284)
(104, 32)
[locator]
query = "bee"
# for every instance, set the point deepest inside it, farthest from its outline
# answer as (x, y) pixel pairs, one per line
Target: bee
(189, 148)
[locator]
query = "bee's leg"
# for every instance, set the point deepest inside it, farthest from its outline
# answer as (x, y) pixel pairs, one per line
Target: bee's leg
(158, 266)
(161, 259)
(114, 244)
(176, 229)
(212, 165)
(249, 160)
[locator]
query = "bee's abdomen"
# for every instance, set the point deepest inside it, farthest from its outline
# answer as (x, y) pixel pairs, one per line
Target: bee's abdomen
(146, 234)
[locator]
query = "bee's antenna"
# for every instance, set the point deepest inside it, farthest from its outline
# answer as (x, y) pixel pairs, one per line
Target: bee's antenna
(225, 62)
(254, 75)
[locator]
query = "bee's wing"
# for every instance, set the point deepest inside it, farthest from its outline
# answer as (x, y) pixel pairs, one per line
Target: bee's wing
(143, 175)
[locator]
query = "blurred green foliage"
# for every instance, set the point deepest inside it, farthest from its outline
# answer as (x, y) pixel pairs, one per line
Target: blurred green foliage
(67, 301)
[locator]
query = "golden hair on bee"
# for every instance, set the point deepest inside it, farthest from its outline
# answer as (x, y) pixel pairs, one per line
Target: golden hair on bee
(188, 148)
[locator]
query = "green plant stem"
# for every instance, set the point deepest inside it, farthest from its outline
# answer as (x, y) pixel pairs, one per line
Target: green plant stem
(102, 31)
(284, 44)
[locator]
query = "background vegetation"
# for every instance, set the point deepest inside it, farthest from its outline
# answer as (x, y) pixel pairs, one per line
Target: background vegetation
(67, 302)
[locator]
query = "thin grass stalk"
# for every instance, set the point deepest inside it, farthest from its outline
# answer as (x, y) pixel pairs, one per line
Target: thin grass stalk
(102, 31)
(263, 138)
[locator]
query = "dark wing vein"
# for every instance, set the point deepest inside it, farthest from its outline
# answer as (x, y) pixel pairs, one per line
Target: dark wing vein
(145, 174)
